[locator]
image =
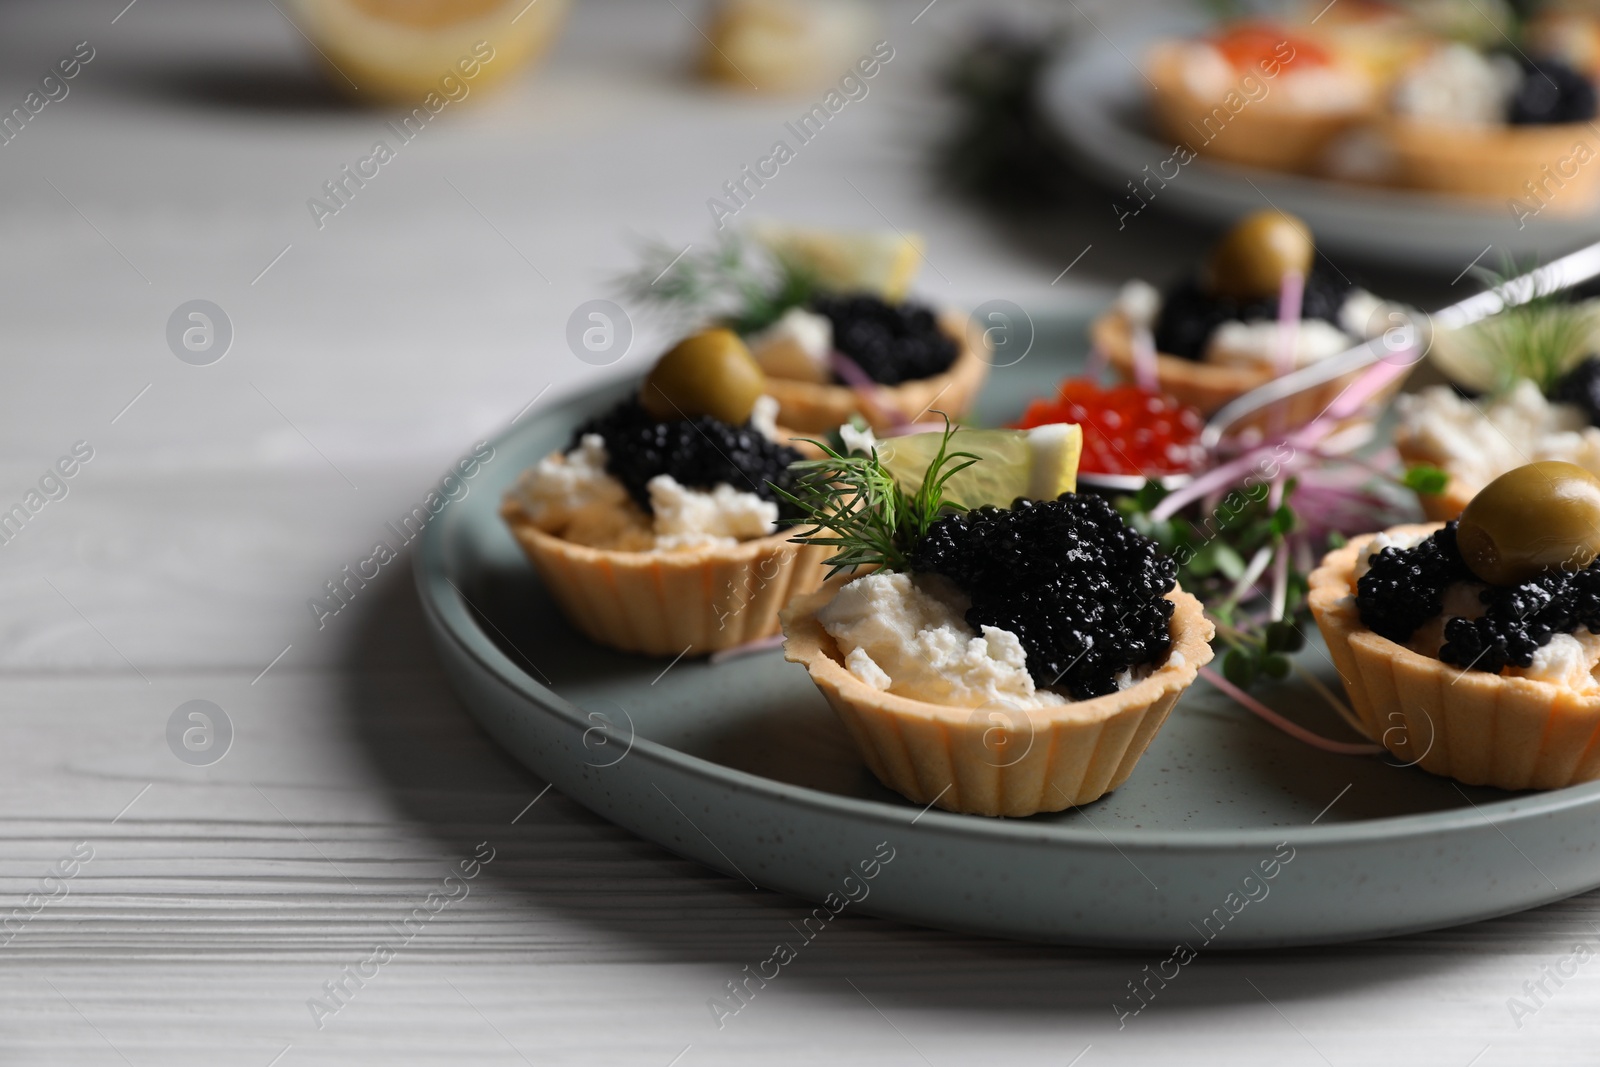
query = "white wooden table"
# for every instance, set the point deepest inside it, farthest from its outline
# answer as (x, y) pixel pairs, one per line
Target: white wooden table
(218, 901)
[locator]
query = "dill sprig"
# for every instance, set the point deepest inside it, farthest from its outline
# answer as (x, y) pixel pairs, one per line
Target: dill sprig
(1540, 339)
(854, 504)
(727, 282)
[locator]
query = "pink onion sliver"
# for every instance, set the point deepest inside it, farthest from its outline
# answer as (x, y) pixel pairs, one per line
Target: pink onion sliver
(1291, 297)
(1144, 361)
(1216, 478)
(866, 390)
(1365, 386)
(1294, 730)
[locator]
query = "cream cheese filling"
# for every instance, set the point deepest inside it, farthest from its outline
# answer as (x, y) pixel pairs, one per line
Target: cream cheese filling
(574, 497)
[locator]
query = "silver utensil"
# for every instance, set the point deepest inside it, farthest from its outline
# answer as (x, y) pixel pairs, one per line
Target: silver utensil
(1564, 273)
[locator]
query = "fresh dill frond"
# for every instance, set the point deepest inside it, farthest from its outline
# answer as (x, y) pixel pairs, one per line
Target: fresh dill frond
(854, 504)
(730, 282)
(1539, 339)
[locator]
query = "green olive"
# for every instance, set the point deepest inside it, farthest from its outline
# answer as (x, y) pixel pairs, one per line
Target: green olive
(1530, 519)
(1251, 259)
(708, 373)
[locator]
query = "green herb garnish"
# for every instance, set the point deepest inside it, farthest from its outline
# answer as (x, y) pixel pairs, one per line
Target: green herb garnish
(855, 505)
(1425, 479)
(1238, 558)
(727, 282)
(1539, 339)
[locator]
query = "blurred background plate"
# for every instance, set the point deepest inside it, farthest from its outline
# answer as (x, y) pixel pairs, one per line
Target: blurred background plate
(1095, 98)
(742, 766)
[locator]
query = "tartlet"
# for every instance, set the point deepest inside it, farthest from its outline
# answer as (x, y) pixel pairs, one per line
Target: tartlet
(817, 407)
(698, 600)
(1505, 727)
(942, 755)
(1258, 94)
(657, 531)
(828, 318)
(1503, 128)
(1475, 441)
(1215, 334)
(991, 661)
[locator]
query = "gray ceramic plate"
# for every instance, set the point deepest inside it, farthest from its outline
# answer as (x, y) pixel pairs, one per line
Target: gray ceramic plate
(743, 767)
(1096, 99)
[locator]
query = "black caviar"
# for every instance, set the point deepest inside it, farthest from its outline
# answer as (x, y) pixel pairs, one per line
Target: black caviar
(1519, 620)
(1190, 314)
(1405, 588)
(1580, 387)
(892, 343)
(700, 453)
(1083, 592)
(1551, 92)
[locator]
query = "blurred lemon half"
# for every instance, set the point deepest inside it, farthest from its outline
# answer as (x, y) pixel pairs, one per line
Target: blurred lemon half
(876, 261)
(399, 51)
(1040, 464)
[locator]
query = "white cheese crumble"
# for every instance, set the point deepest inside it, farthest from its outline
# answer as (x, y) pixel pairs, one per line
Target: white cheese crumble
(686, 517)
(1253, 344)
(908, 636)
(1140, 303)
(1459, 85)
(854, 440)
(1205, 71)
(764, 416)
(572, 496)
(1567, 660)
(1477, 441)
(1362, 316)
(797, 346)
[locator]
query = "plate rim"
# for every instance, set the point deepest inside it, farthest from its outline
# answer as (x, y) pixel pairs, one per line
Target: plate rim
(443, 600)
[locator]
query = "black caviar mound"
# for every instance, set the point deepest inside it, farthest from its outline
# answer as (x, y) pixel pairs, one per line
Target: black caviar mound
(1580, 387)
(1190, 315)
(1406, 586)
(1519, 620)
(1551, 92)
(700, 453)
(1083, 592)
(892, 343)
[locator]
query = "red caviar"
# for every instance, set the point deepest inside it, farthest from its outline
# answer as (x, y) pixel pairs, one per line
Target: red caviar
(1126, 430)
(1246, 44)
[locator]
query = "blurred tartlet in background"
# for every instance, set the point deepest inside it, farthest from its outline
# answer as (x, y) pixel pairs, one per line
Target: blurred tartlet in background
(1218, 332)
(827, 316)
(1458, 97)
(1489, 124)
(399, 51)
(1257, 93)
(1524, 387)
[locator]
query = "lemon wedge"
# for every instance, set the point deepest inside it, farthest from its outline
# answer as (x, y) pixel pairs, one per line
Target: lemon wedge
(1040, 464)
(400, 51)
(877, 261)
